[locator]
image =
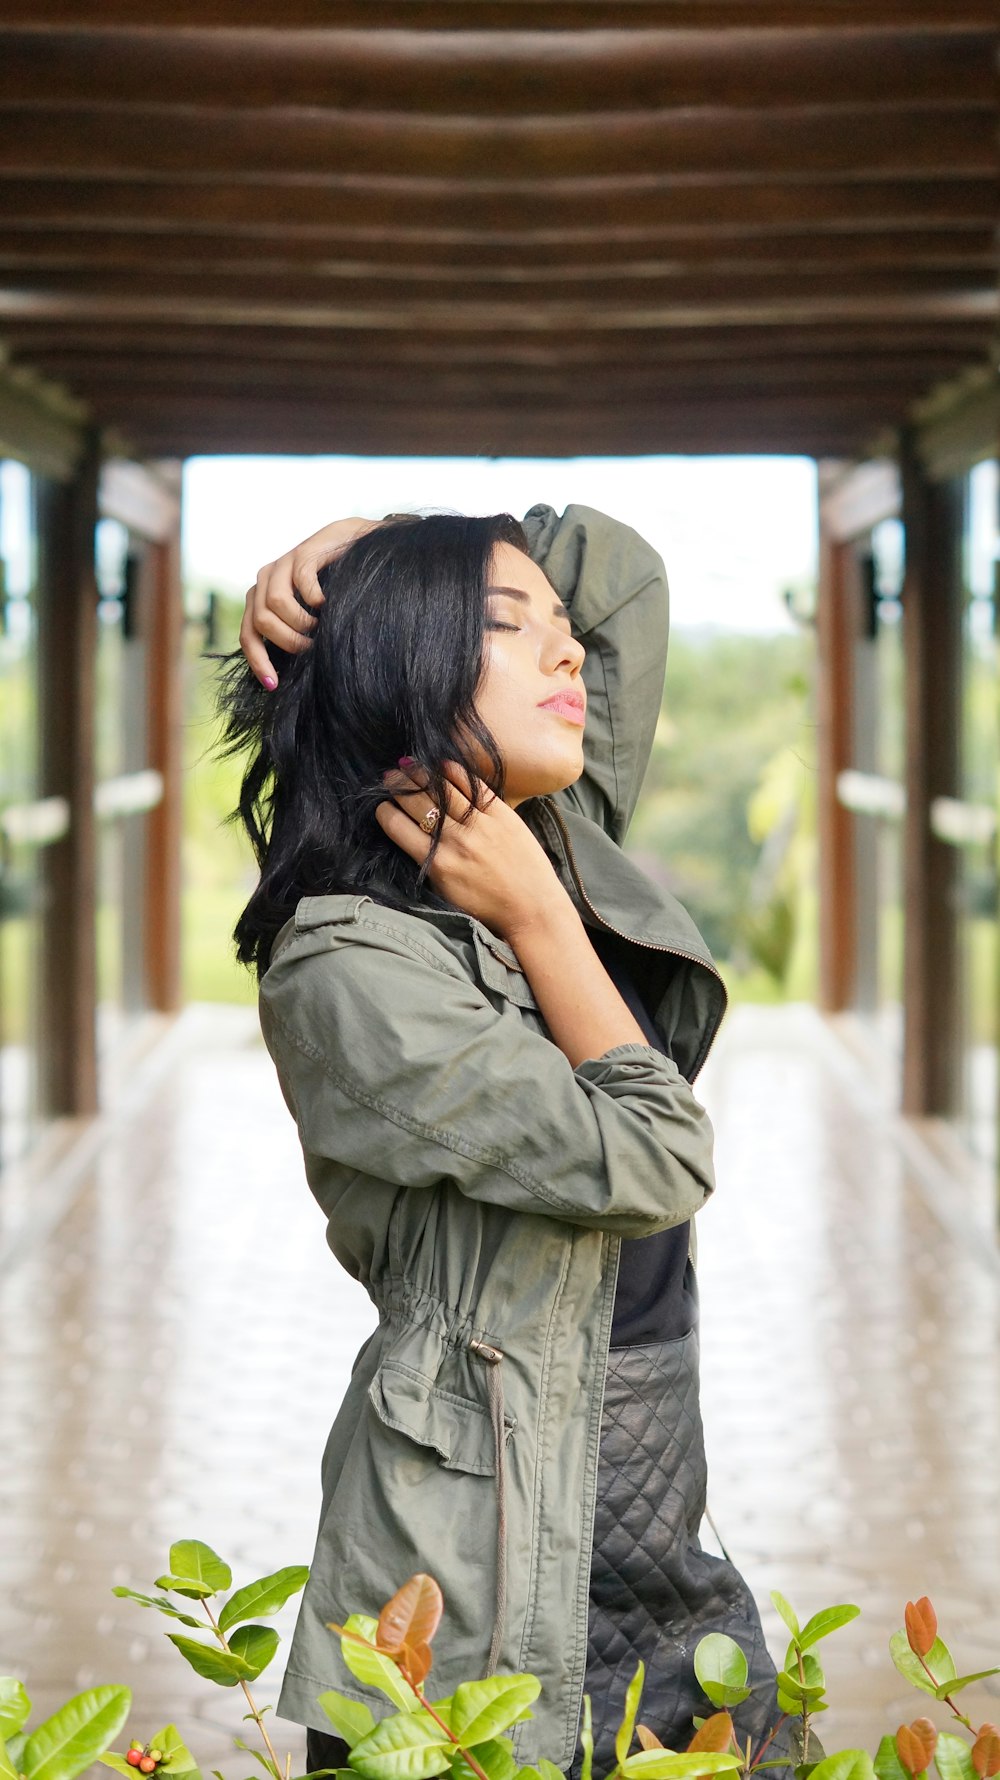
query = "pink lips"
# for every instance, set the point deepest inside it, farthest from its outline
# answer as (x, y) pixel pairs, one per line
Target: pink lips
(566, 705)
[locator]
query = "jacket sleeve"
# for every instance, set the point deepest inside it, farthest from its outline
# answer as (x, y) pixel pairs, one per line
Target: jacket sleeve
(397, 1065)
(615, 587)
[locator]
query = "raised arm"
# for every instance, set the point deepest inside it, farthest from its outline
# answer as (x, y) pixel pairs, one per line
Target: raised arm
(615, 587)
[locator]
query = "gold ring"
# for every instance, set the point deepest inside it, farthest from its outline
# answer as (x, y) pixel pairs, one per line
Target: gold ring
(430, 819)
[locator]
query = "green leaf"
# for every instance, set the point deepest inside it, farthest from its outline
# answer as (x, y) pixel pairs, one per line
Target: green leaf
(548, 1769)
(482, 1709)
(374, 1670)
(495, 1757)
(790, 1618)
(68, 1742)
(177, 1757)
(224, 1667)
(946, 1687)
(404, 1746)
(663, 1764)
(15, 1747)
(633, 1694)
(263, 1761)
(162, 1604)
(887, 1763)
(256, 1644)
(182, 1585)
(528, 1773)
(790, 1682)
(830, 1619)
(118, 1762)
(587, 1741)
(848, 1764)
(793, 1707)
(7, 1768)
(721, 1668)
(953, 1758)
(939, 1659)
(266, 1595)
(196, 1562)
(351, 1719)
(14, 1705)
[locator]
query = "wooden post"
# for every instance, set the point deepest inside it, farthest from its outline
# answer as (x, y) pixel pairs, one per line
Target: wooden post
(932, 605)
(166, 740)
(837, 627)
(67, 515)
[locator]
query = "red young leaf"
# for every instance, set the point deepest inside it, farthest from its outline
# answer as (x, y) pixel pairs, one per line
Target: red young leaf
(916, 1744)
(986, 1751)
(646, 1737)
(714, 1734)
(921, 1625)
(412, 1616)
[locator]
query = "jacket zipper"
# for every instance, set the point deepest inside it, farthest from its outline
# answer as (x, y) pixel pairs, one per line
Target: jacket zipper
(653, 945)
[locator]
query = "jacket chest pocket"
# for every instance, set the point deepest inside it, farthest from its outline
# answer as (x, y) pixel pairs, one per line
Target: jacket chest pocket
(499, 970)
(457, 1429)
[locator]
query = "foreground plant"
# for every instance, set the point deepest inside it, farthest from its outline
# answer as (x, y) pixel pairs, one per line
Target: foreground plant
(464, 1734)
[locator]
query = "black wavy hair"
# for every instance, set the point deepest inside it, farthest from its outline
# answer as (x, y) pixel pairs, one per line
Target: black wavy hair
(395, 662)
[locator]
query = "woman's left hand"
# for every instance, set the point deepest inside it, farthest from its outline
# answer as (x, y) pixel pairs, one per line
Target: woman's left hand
(272, 610)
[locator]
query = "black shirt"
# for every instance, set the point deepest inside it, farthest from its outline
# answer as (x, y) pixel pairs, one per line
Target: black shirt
(656, 1298)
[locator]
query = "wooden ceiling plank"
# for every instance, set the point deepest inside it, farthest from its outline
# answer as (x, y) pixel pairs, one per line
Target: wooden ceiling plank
(309, 291)
(78, 201)
(973, 248)
(500, 15)
(493, 154)
(483, 74)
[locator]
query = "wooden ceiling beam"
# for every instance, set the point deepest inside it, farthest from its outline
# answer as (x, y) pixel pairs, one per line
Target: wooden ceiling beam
(500, 15)
(468, 264)
(502, 154)
(593, 215)
(485, 74)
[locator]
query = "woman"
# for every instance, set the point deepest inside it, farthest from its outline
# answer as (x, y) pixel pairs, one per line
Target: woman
(485, 1020)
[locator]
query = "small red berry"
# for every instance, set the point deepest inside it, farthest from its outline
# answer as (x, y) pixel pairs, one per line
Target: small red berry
(146, 1764)
(134, 1756)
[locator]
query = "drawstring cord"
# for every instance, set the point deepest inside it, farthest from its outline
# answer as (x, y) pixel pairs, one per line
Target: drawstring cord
(495, 1387)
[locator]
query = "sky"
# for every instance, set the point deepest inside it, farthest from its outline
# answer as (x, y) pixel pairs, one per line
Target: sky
(733, 532)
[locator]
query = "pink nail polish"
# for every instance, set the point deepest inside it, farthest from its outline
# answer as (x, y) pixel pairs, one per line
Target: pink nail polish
(269, 683)
(405, 760)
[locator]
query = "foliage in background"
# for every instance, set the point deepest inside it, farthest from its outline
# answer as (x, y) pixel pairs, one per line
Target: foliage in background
(726, 819)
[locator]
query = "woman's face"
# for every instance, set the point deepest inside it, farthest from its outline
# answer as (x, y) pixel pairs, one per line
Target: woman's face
(530, 663)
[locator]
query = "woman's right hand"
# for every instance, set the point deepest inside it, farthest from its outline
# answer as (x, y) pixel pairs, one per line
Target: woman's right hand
(271, 609)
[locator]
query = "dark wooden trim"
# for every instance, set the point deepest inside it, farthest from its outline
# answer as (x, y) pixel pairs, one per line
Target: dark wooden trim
(932, 643)
(67, 645)
(165, 748)
(838, 619)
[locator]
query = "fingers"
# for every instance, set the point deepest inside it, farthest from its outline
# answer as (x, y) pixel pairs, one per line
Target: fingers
(398, 826)
(275, 604)
(253, 648)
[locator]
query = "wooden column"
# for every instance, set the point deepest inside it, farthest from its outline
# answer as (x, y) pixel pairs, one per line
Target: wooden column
(166, 740)
(932, 514)
(837, 628)
(67, 515)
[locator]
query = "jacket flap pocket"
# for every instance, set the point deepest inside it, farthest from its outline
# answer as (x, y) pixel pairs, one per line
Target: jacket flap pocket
(459, 1431)
(498, 967)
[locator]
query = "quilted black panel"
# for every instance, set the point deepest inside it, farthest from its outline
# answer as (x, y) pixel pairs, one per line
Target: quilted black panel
(653, 1590)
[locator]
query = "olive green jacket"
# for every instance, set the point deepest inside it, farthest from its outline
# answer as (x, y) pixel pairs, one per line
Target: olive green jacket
(479, 1186)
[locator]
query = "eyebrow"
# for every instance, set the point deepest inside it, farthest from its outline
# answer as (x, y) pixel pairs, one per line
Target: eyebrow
(518, 593)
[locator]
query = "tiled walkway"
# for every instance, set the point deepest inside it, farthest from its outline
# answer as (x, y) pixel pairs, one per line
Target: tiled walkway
(175, 1348)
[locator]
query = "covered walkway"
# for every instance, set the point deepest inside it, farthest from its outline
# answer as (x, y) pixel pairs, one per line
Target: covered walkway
(182, 1330)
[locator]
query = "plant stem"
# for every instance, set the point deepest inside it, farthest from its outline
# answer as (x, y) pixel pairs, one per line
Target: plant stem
(805, 1710)
(947, 1697)
(258, 1719)
(470, 1758)
(767, 1740)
